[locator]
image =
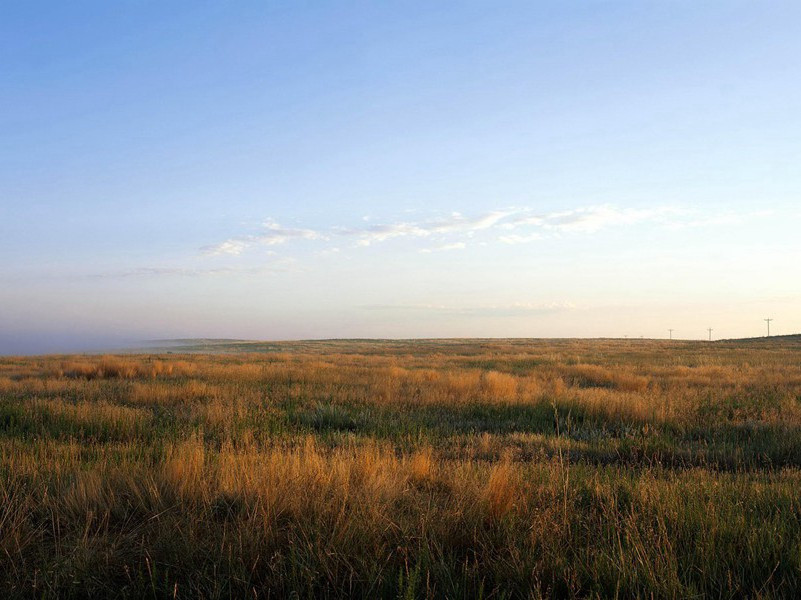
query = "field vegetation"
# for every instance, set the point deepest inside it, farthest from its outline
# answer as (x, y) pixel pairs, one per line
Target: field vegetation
(426, 469)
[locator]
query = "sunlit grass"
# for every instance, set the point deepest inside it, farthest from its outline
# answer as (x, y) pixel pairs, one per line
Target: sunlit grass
(452, 469)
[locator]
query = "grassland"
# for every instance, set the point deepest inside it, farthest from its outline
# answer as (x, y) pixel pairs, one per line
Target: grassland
(458, 469)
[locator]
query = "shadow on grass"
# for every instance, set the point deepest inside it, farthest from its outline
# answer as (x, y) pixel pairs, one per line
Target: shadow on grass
(590, 438)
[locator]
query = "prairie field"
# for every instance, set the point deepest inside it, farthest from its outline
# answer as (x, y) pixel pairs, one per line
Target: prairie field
(413, 469)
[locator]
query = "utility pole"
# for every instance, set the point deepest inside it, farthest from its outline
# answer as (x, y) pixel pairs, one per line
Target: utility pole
(671, 333)
(709, 329)
(768, 322)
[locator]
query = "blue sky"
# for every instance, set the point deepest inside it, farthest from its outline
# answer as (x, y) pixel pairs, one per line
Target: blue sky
(278, 170)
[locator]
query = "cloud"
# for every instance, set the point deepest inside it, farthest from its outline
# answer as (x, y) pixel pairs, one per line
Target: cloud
(449, 233)
(233, 246)
(591, 219)
(455, 223)
(273, 234)
(520, 239)
(515, 226)
(444, 248)
(721, 219)
(579, 220)
(329, 251)
(188, 271)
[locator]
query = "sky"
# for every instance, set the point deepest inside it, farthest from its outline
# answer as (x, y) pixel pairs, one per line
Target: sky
(298, 170)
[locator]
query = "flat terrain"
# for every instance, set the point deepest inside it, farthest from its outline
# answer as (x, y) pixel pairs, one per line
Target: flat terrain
(388, 469)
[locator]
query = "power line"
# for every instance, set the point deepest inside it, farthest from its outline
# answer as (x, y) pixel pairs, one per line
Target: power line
(709, 329)
(671, 333)
(768, 322)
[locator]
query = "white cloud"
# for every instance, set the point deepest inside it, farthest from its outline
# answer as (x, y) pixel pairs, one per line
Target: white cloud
(520, 239)
(591, 219)
(721, 219)
(188, 271)
(273, 234)
(444, 248)
(455, 223)
(329, 251)
(233, 246)
(521, 225)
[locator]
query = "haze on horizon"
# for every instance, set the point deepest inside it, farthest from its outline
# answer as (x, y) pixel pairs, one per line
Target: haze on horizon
(293, 171)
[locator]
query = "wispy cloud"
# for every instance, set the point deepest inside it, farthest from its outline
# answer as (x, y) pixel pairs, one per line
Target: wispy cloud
(455, 223)
(591, 219)
(145, 272)
(272, 234)
(233, 246)
(729, 218)
(520, 239)
(445, 248)
(510, 226)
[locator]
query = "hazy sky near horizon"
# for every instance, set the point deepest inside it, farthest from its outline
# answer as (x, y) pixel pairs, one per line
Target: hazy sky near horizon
(279, 170)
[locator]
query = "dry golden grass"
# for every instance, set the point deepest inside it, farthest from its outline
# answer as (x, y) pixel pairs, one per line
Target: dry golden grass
(419, 469)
